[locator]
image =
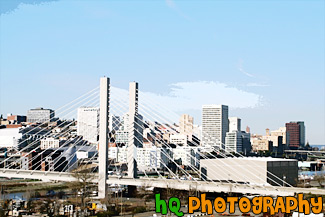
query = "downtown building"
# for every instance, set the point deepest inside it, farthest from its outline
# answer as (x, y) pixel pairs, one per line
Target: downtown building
(40, 115)
(214, 125)
(148, 158)
(295, 134)
(16, 119)
(234, 124)
(186, 125)
(282, 131)
(122, 136)
(237, 140)
(252, 170)
(114, 123)
(88, 124)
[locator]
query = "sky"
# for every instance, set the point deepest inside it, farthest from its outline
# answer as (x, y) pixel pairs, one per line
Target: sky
(265, 59)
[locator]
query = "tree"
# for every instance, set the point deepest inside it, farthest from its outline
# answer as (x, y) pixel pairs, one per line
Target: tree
(84, 178)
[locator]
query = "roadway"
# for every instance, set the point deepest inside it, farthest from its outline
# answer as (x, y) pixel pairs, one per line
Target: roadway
(201, 186)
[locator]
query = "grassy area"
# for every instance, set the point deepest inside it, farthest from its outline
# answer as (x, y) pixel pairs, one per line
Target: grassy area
(34, 187)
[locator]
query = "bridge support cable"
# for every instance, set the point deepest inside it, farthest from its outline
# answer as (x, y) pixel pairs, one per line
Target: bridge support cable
(50, 155)
(170, 147)
(45, 135)
(61, 113)
(66, 142)
(119, 122)
(171, 172)
(138, 125)
(81, 162)
(202, 155)
(173, 160)
(171, 112)
(122, 111)
(132, 142)
(220, 161)
(157, 159)
(194, 144)
(220, 181)
(132, 112)
(142, 143)
(142, 128)
(88, 94)
(37, 140)
(38, 165)
(167, 127)
(69, 167)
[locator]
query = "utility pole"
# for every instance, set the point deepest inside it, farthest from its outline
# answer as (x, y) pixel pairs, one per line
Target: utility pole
(121, 202)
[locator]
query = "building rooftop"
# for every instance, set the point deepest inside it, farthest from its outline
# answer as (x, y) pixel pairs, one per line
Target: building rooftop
(9, 132)
(256, 159)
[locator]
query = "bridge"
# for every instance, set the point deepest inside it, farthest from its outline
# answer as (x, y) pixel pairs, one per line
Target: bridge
(305, 151)
(32, 165)
(200, 186)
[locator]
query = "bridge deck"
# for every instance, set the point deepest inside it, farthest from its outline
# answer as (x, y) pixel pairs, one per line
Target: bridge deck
(166, 183)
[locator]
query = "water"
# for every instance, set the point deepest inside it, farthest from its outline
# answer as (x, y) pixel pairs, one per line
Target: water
(312, 173)
(15, 196)
(23, 195)
(320, 147)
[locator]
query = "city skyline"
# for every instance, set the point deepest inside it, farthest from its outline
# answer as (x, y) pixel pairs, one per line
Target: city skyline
(210, 59)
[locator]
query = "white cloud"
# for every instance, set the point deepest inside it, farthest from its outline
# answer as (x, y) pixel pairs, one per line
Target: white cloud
(192, 95)
(257, 85)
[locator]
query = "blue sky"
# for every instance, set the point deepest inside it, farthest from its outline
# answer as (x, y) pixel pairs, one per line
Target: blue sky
(263, 58)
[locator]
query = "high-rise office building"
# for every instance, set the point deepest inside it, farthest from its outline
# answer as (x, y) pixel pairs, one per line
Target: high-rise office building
(238, 141)
(234, 124)
(214, 125)
(295, 134)
(247, 146)
(40, 115)
(88, 123)
(186, 124)
(302, 136)
(234, 141)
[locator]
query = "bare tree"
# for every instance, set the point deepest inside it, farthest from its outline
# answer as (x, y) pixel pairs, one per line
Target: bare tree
(84, 180)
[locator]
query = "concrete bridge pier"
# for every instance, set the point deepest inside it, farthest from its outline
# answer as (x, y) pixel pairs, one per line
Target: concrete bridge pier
(103, 136)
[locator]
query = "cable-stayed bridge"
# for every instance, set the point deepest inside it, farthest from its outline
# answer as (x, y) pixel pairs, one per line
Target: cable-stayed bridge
(30, 160)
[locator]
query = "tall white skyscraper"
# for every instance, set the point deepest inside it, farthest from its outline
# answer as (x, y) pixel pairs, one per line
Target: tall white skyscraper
(234, 124)
(214, 125)
(88, 123)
